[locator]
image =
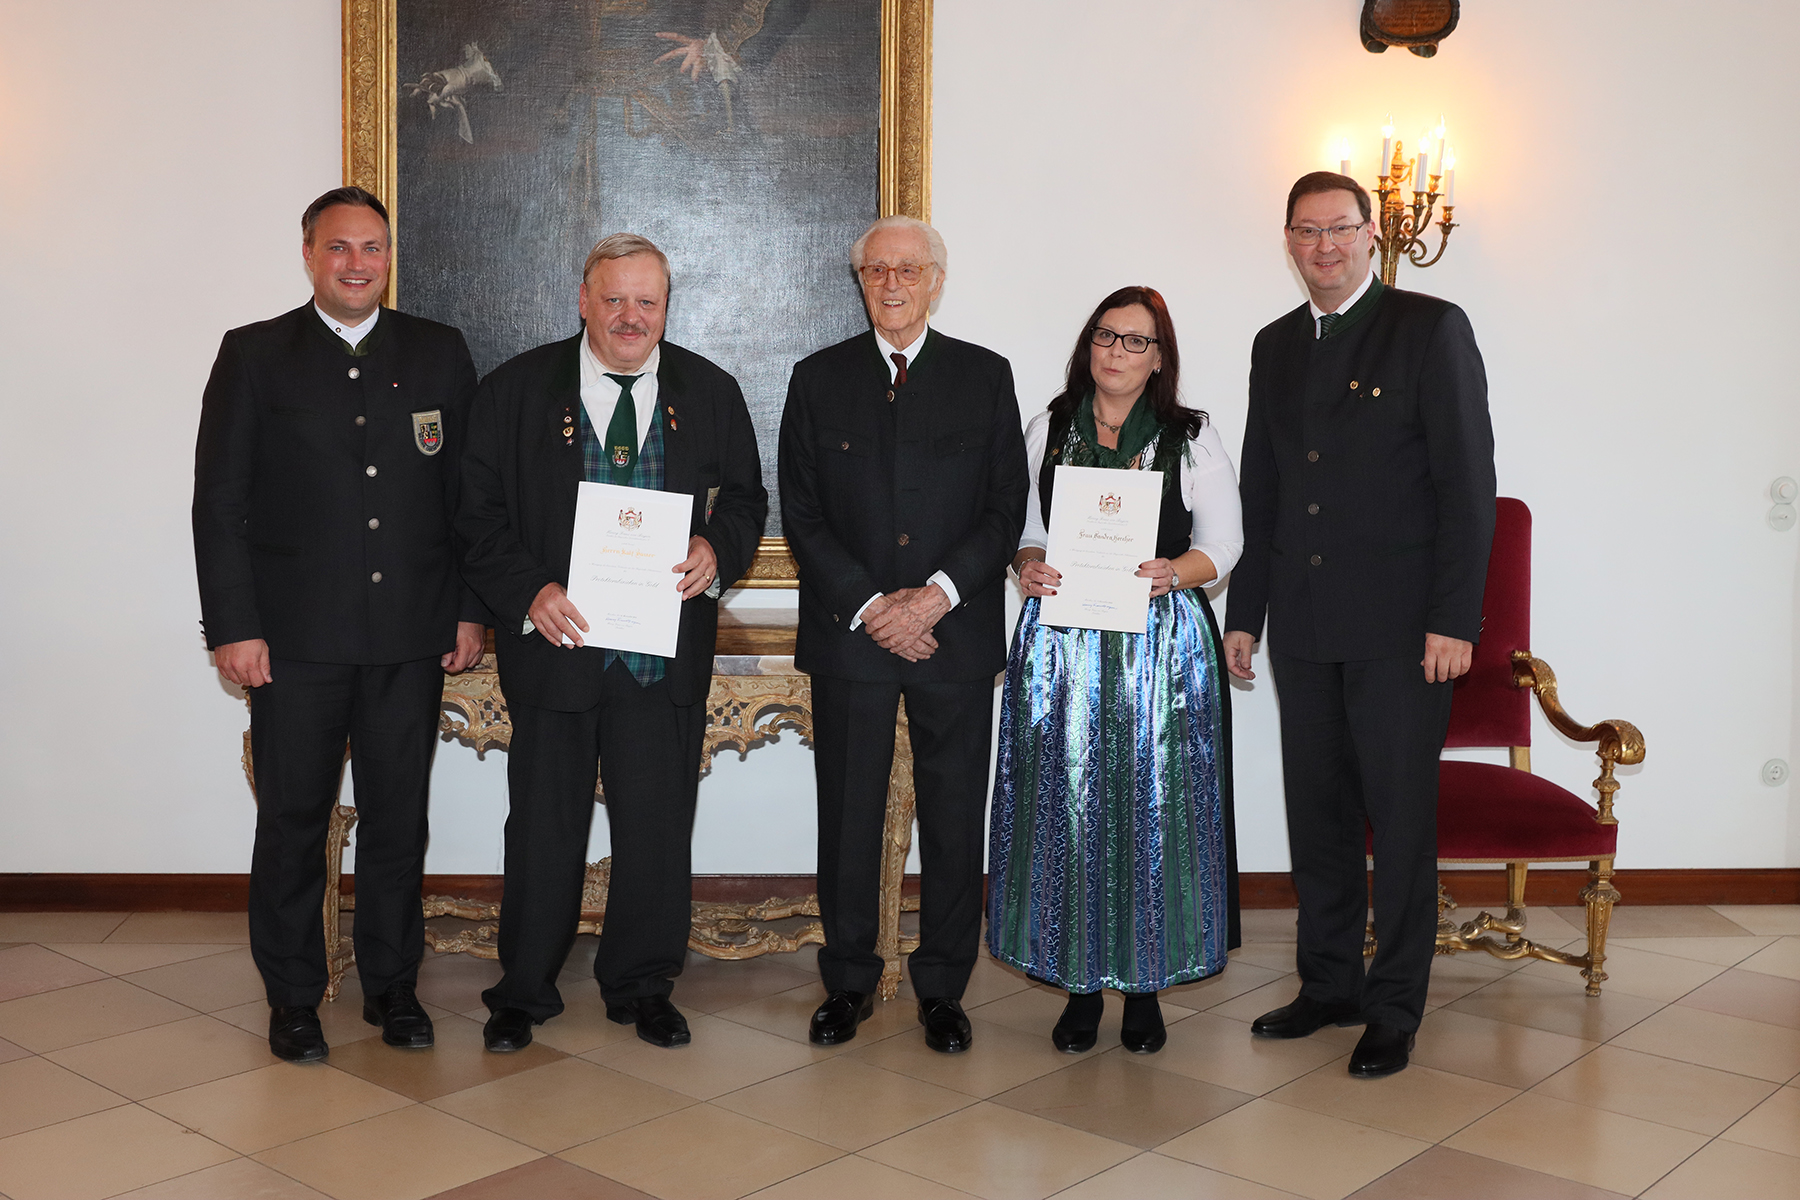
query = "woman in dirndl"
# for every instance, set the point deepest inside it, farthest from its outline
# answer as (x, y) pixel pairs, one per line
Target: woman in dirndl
(1112, 861)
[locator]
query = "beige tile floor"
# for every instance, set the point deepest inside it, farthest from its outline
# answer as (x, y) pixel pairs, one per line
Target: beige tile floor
(132, 1063)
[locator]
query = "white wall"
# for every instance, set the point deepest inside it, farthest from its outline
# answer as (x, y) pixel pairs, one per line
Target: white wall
(153, 158)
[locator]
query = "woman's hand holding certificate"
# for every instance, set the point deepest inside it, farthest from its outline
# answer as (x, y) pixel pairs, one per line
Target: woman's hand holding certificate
(1102, 531)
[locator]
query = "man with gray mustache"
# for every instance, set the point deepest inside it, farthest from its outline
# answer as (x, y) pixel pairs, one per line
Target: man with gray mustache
(613, 404)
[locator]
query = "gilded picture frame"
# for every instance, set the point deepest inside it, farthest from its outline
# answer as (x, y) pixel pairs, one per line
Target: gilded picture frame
(371, 91)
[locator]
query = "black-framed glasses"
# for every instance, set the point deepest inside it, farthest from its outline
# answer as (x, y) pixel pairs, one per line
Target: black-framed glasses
(1103, 337)
(875, 274)
(1309, 235)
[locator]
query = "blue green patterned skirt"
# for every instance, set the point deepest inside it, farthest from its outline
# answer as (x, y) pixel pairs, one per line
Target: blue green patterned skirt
(1112, 860)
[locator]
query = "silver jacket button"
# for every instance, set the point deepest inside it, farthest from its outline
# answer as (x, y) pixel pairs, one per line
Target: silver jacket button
(374, 522)
(356, 372)
(375, 578)
(370, 471)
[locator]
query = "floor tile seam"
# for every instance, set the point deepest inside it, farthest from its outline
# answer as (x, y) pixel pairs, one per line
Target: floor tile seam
(1517, 1092)
(1522, 1025)
(180, 1087)
(122, 1102)
(188, 1016)
(1795, 1153)
(1697, 1150)
(1767, 1025)
(1533, 1090)
(1499, 1150)
(532, 1150)
(186, 1128)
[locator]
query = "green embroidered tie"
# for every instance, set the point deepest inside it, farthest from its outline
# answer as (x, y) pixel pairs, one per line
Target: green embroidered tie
(1325, 324)
(621, 432)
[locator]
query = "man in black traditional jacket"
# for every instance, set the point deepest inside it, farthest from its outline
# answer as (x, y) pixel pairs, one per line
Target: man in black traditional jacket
(1368, 486)
(613, 404)
(903, 491)
(325, 484)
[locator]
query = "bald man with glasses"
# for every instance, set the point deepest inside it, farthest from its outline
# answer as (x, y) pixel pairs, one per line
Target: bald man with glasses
(1368, 488)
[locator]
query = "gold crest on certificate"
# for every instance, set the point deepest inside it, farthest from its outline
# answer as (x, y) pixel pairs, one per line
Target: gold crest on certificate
(1102, 528)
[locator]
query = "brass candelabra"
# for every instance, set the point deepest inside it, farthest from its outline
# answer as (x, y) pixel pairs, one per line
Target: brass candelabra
(1403, 227)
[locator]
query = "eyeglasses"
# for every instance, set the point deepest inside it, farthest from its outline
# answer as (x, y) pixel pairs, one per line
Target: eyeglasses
(1103, 337)
(875, 274)
(1309, 235)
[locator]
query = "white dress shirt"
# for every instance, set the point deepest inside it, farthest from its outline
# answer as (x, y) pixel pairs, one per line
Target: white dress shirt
(938, 577)
(354, 334)
(1208, 485)
(600, 395)
(1346, 306)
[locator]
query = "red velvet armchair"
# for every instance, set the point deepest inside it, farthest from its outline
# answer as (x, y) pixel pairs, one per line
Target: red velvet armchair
(1495, 814)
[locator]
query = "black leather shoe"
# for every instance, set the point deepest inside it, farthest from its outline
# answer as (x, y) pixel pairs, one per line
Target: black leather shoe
(1143, 1031)
(294, 1034)
(1079, 1026)
(1303, 1018)
(835, 1021)
(658, 1022)
(508, 1029)
(946, 1028)
(403, 1021)
(1382, 1050)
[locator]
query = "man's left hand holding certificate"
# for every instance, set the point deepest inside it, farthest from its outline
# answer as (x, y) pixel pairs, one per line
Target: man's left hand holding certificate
(627, 544)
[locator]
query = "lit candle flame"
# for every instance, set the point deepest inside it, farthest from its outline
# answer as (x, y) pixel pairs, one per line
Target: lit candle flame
(1449, 157)
(1387, 131)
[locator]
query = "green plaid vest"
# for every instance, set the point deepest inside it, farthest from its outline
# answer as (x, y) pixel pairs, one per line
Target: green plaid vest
(647, 473)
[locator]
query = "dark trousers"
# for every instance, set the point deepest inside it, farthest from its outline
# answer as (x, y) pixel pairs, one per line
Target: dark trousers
(299, 723)
(648, 758)
(1359, 751)
(951, 727)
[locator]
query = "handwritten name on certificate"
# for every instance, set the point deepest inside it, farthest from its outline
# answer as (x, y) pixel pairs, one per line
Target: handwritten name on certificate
(1102, 528)
(622, 566)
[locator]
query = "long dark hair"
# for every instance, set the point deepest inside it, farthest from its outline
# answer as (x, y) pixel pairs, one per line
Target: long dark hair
(1164, 386)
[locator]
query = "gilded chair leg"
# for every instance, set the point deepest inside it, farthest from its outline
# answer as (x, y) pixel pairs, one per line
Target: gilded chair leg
(1515, 898)
(339, 953)
(896, 844)
(1599, 896)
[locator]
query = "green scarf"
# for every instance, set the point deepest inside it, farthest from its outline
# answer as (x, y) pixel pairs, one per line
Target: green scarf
(1139, 427)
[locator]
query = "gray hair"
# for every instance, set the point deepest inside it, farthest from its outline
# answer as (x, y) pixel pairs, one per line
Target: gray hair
(934, 242)
(624, 245)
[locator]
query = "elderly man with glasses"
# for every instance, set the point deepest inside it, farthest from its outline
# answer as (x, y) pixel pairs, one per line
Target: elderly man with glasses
(1368, 489)
(902, 494)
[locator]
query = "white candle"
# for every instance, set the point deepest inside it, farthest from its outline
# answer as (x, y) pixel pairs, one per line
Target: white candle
(1343, 156)
(1449, 176)
(1387, 144)
(1419, 168)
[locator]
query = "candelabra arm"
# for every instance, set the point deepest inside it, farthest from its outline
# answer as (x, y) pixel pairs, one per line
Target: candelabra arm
(1416, 256)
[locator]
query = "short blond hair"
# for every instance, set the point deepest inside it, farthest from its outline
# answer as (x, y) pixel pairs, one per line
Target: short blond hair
(624, 245)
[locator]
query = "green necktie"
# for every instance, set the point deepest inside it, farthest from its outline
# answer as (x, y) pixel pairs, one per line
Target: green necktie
(1326, 322)
(621, 432)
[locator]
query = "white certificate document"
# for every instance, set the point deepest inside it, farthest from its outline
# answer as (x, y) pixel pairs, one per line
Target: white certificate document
(622, 566)
(1102, 528)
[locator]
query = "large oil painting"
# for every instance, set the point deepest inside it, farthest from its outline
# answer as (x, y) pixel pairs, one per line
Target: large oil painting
(750, 139)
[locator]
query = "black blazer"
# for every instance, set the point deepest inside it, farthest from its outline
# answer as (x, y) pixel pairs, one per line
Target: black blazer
(883, 486)
(518, 509)
(322, 517)
(1368, 484)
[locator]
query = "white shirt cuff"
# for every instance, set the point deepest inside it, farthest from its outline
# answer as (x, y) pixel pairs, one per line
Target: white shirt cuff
(856, 621)
(943, 581)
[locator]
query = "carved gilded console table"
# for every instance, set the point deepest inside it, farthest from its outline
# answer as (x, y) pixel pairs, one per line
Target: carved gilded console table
(756, 693)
